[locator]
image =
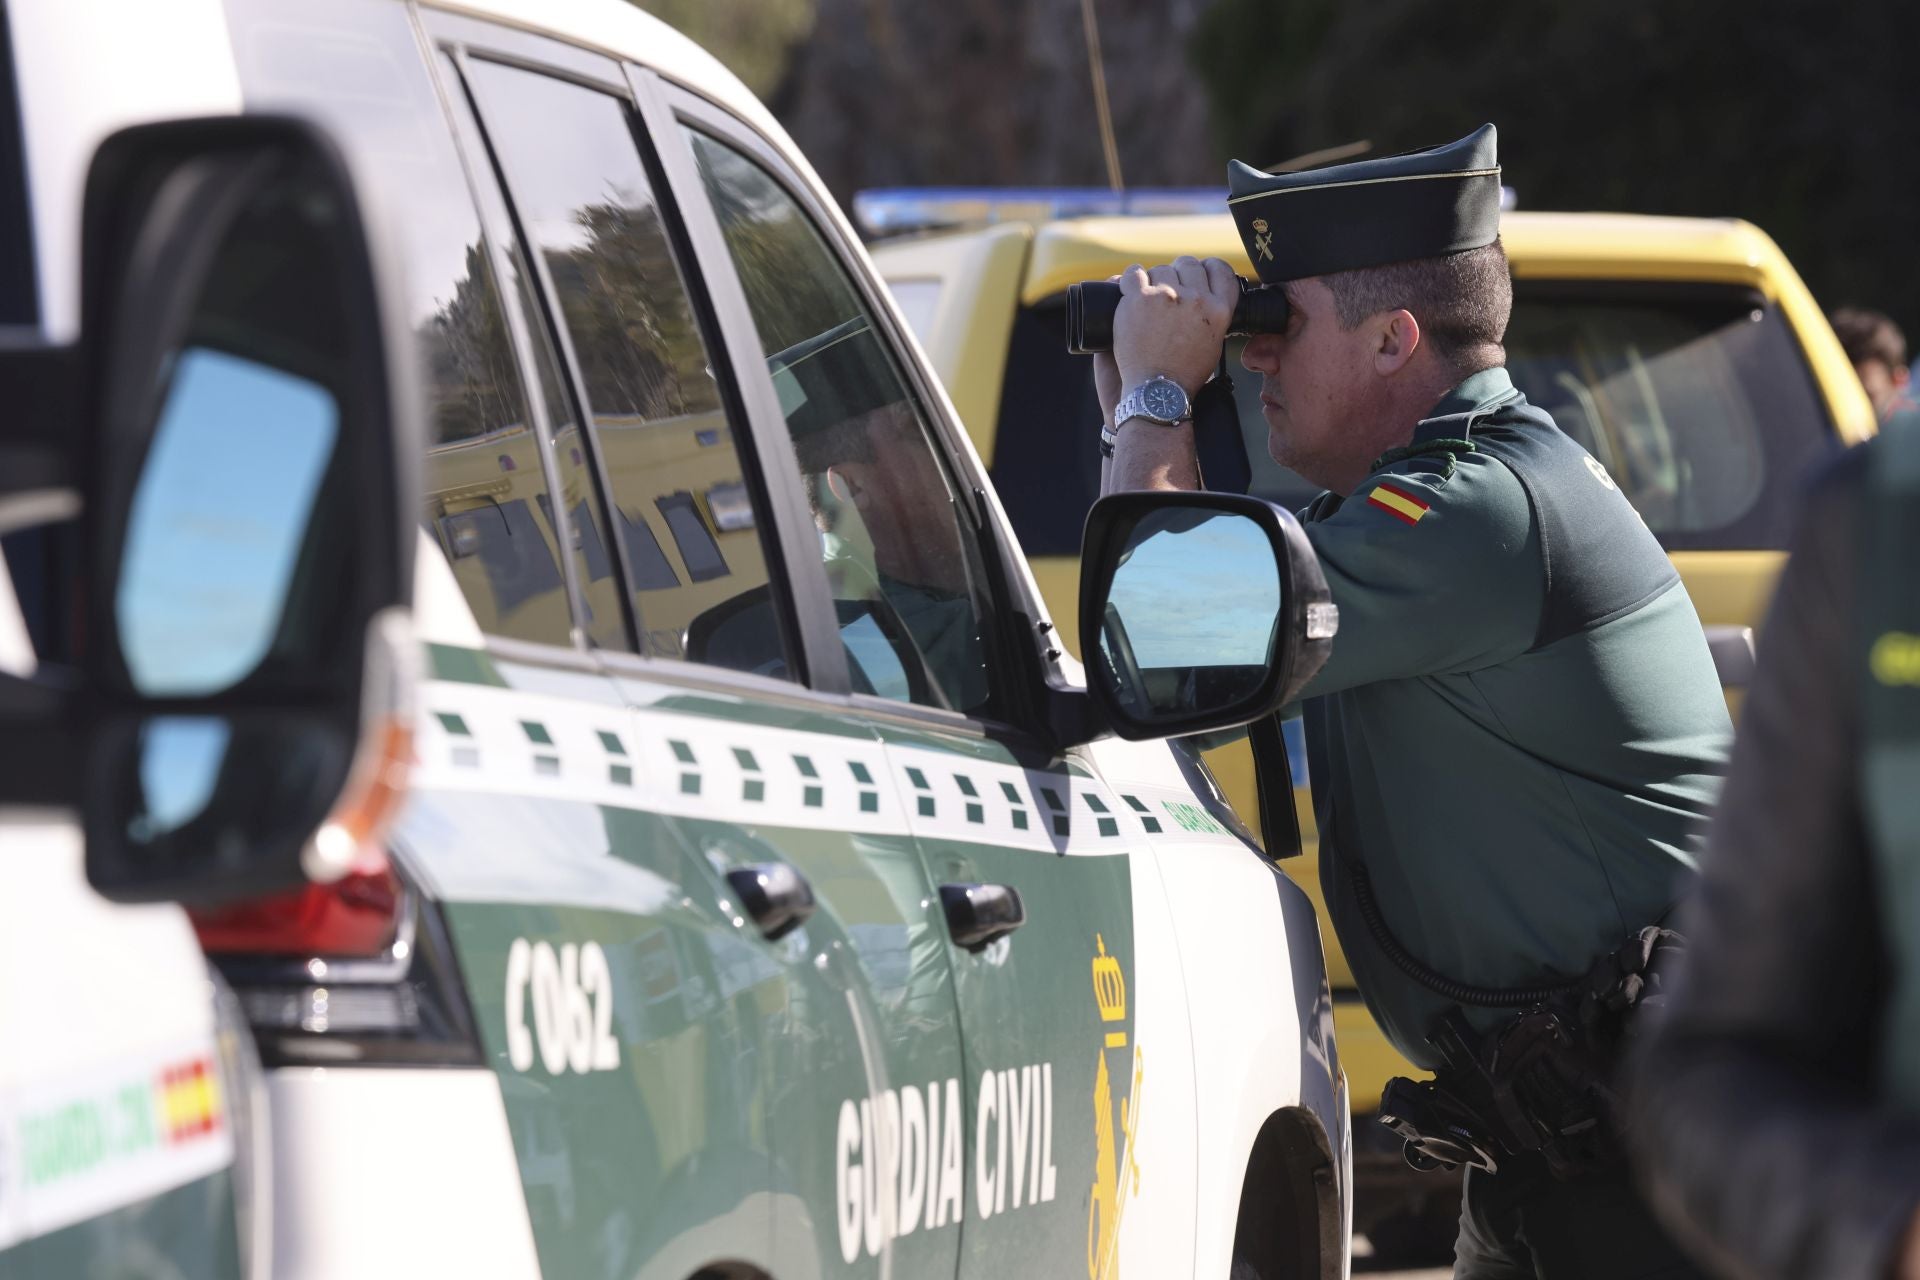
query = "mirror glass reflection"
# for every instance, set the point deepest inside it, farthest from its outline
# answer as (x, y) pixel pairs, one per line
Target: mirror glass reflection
(1191, 615)
(179, 769)
(219, 790)
(218, 521)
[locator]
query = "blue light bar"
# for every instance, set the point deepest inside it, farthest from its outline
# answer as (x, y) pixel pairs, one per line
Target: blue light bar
(892, 211)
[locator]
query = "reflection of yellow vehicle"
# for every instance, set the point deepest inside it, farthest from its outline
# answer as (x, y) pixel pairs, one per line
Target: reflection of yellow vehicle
(1685, 354)
(488, 505)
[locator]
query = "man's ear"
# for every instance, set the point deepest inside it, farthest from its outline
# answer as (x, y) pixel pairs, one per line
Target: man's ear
(1901, 376)
(1397, 338)
(843, 487)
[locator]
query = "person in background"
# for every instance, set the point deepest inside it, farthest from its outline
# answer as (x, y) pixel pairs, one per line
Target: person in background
(1879, 353)
(1777, 1095)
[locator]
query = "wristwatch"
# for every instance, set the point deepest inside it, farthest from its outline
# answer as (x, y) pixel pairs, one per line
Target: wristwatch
(1159, 400)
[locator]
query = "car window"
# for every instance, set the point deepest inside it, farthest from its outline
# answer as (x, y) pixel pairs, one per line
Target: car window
(573, 168)
(895, 539)
(595, 570)
(357, 65)
(1696, 398)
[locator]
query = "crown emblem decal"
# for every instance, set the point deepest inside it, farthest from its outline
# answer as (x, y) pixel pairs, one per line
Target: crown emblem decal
(1109, 984)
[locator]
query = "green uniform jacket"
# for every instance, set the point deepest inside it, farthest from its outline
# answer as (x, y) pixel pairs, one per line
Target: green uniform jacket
(1520, 731)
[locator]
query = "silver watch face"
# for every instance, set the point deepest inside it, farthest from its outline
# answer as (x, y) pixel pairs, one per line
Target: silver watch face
(1162, 398)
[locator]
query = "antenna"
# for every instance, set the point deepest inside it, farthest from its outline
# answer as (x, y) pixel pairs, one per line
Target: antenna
(1092, 28)
(1324, 155)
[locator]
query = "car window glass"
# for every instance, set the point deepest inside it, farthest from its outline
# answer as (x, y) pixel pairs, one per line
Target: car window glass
(356, 64)
(595, 567)
(1696, 400)
(584, 201)
(896, 542)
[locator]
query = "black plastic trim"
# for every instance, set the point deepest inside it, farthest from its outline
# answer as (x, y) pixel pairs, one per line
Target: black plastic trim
(19, 283)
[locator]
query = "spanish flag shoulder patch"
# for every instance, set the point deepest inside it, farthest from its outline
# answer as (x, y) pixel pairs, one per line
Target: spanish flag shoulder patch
(1398, 503)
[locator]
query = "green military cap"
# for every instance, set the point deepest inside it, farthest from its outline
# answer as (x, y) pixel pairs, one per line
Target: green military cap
(835, 375)
(1422, 204)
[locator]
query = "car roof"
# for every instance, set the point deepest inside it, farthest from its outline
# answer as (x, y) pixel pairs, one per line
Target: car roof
(1590, 245)
(620, 29)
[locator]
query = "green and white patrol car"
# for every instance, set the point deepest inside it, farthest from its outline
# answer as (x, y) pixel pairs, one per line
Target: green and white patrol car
(131, 1131)
(535, 605)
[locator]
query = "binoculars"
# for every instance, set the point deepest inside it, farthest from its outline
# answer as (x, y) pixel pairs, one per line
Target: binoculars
(1090, 306)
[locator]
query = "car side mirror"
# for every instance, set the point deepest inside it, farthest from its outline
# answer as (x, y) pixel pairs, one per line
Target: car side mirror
(1198, 611)
(239, 423)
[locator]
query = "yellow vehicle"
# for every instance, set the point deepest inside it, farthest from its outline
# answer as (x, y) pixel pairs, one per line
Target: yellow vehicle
(1684, 353)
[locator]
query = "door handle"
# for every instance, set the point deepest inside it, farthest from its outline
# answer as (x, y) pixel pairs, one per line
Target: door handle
(980, 914)
(776, 896)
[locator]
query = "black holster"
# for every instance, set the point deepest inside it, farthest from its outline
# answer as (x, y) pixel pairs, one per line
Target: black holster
(1541, 1083)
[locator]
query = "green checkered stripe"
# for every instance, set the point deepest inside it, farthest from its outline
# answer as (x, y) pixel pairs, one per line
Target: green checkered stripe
(501, 740)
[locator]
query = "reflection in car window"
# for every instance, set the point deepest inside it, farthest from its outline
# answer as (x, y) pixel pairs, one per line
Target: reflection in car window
(356, 64)
(895, 540)
(1695, 399)
(594, 568)
(1697, 402)
(574, 172)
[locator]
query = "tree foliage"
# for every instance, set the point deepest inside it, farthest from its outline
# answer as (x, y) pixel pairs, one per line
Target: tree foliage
(1796, 117)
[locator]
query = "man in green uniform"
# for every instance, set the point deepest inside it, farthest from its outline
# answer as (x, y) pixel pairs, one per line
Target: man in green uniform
(1519, 730)
(1779, 1090)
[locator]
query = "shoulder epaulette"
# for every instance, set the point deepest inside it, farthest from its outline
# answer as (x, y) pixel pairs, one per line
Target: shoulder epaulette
(1451, 448)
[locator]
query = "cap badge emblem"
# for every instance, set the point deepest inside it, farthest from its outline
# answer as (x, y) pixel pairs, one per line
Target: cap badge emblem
(1262, 239)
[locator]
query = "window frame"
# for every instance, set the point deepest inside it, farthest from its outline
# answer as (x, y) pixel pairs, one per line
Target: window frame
(1012, 704)
(490, 206)
(466, 40)
(797, 577)
(588, 76)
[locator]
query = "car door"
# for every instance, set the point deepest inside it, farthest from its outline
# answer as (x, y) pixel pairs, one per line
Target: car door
(784, 1041)
(1058, 1012)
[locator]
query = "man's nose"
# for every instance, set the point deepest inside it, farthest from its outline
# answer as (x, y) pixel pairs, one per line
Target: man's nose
(1262, 353)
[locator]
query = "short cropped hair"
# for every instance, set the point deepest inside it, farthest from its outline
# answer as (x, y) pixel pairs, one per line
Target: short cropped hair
(1462, 300)
(848, 440)
(1869, 335)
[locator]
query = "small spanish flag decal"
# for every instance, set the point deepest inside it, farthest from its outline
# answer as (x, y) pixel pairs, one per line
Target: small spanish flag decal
(1398, 503)
(189, 1100)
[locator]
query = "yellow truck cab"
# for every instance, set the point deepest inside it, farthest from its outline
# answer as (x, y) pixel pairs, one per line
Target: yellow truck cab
(1684, 353)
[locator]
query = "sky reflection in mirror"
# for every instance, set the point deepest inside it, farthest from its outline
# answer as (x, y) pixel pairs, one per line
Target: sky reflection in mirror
(1199, 596)
(218, 521)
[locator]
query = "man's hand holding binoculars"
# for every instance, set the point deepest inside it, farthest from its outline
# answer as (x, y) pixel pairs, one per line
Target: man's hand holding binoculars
(1171, 322)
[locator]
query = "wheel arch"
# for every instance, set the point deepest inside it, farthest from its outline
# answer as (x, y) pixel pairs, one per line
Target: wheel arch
(1290, 1220)
(730, 1271)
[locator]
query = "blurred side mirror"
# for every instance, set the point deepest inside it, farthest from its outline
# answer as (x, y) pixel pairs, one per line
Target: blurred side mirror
(241, 437)
(1198, 611)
